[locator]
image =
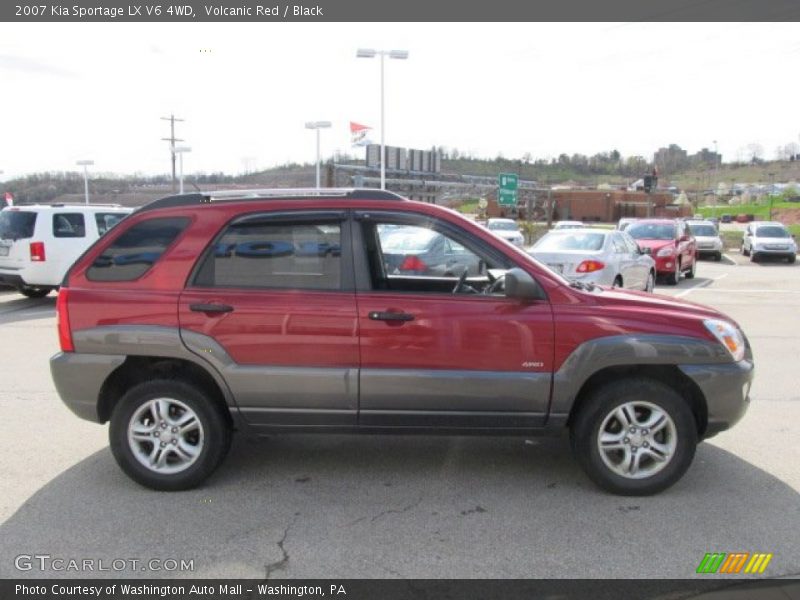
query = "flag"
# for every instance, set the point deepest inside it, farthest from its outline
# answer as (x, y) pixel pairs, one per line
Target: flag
(9, 199)
(358, 134)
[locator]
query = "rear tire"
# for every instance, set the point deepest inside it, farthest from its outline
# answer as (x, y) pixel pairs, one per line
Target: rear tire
(754, 257)
(34, 292)
(634, 437)
(718, 256)
(651, 282)
(617, 282)
(168, 435)
(791, 259)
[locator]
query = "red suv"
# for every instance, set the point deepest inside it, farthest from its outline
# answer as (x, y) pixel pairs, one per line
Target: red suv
(671, 244)
(321, 311)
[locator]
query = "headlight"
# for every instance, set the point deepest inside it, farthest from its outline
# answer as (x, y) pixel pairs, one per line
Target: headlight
(728, 335)
(666, 251)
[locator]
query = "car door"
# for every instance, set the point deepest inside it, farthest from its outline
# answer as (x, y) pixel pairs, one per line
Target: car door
(271, 304)
(641, 262)
(625, 262)
(434, 358)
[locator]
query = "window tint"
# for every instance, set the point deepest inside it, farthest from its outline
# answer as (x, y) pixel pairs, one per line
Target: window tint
(15, 225)
(133, 253)
(619, 244)
(632, 246)
(556, 241)
(651, 231)
(106, 221)
(69, 225)
(275, 255)
(772, 231)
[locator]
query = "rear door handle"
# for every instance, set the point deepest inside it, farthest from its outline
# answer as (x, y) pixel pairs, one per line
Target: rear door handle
(211, 308)
(390, 316)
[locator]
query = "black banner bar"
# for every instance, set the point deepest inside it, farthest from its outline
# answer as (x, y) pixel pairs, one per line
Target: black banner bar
(382, 589)
(266, 11)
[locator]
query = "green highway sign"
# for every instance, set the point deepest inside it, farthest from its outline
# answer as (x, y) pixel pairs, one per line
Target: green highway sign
(507, 192)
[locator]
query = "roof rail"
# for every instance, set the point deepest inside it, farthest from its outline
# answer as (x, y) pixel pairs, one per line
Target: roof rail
(271, 193)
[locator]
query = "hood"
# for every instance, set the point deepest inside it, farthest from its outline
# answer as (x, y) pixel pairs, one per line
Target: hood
(507, 235)
(645, 301)
(655, 244)
(786, 241)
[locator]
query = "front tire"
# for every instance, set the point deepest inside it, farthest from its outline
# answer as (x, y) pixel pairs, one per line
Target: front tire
(34, 292)
(690, 273)
(791, 259)
(634, 437)
(675, 277)
(745, 251)
(168, 435)
(754, 257)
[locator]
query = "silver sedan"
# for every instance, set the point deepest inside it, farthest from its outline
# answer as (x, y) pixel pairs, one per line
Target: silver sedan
(600, 256)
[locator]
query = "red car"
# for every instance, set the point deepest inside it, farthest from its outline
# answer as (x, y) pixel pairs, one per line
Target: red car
(671, 244)
(280, 311)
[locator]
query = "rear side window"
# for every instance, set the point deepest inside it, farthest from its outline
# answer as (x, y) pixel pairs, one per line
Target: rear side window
(69, 225)
(275, 255)
(134, 252)
(106, 221)
(15, 225)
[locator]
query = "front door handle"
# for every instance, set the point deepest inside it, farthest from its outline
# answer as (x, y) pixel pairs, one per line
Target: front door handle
(211, 308)
(390, 316)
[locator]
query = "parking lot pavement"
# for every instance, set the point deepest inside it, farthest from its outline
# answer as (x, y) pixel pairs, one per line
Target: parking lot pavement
(417, 506)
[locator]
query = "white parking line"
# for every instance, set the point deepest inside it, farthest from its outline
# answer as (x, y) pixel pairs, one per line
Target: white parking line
(693, 288)
(748, 291)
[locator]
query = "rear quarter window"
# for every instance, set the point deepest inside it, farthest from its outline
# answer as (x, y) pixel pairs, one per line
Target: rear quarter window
(106, 221)
(136, 250)
(17, 224)
(69, 225)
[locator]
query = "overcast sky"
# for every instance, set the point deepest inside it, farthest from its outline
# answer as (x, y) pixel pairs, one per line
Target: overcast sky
(84, 90)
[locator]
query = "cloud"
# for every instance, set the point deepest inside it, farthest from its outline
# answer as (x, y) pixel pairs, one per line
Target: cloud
(33, 66)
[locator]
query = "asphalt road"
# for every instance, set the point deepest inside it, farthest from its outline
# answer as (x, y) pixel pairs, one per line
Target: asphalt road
(416, 507)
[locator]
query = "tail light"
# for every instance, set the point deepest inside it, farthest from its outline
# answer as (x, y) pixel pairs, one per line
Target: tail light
(413, 263)
(590, 266)
(62, 318)
(37, 252)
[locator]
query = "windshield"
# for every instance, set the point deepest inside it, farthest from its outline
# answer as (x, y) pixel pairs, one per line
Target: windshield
(556, 242)
(503, 226)
(704, 230)
(651, 231)
(772, 231)
(16, 224)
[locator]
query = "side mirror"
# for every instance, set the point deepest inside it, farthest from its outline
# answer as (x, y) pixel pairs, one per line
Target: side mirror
(520, 285)
(748, 234)
(684, 238)
(648, 251)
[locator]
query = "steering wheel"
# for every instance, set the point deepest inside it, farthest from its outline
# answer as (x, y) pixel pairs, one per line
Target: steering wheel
(495, 285)
(461, 281)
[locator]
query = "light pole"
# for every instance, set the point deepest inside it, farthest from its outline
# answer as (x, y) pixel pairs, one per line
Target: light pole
(716, 189)
(180, 151)
(317, 125)
(85, 164)
(371, 53)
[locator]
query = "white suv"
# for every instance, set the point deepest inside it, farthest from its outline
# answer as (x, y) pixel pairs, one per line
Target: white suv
(767, 238)
(506, 229)
(38, 242)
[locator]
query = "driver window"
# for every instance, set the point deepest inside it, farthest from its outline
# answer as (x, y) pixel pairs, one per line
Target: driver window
(420, 258)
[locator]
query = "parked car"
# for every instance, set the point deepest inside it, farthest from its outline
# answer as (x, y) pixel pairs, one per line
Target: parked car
(422, 251)
(672, 245)
(38, 243)
(624, 222)
(273, 311)
(600, 256)
(709, 242)
(726, 218)
(568, 225)
(506, 229)
(742, 218)
(768, 238)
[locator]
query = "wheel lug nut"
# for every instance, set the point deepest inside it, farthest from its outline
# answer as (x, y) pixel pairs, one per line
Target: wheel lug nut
(163, 424)
(626, 440)
(174, 442)
(163, 444)
(645, 431)
(634, 449)
(174, 430)
(156, 433)
(633, 430)
(646, 445)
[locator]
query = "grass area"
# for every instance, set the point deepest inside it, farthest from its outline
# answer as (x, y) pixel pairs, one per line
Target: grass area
(731, 239)
(761, 211)
(469, 207)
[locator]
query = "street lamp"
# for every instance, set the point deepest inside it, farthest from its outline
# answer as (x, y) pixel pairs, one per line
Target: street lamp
(716, 175)
(181, 150)
(85, 164)
(371, 53)
(317, 125)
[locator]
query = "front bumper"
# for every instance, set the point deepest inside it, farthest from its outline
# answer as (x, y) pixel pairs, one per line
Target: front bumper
(726, 388)
(78, 378)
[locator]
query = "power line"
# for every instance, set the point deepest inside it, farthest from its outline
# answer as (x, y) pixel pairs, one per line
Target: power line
(172, 139)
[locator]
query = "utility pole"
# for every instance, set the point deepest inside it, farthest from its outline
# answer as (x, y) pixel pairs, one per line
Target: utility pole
(172, 139)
